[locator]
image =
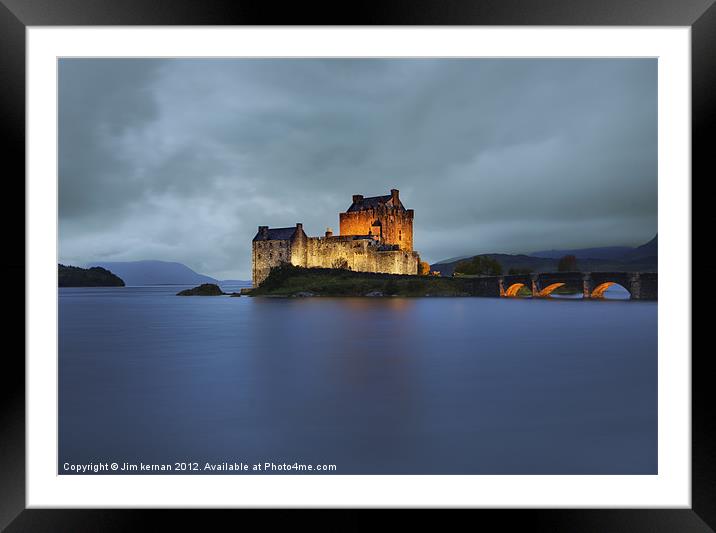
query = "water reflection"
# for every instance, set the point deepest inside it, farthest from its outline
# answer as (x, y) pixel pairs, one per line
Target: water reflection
(373, 385)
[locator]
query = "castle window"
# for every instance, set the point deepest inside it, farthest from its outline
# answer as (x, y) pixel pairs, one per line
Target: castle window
(400, 235)
(259, 256)
(270, 256)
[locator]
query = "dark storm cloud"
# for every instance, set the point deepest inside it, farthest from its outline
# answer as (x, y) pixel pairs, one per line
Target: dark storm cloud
(183, 159)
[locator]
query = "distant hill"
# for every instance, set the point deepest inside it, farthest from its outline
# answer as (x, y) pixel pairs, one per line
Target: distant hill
(650, 249)
(155, 273)
(453, 259)
(607, 252)
(72, 276)
(618, 253)
(614, 258)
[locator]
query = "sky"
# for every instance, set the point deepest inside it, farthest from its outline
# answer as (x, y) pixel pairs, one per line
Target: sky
(182, 159)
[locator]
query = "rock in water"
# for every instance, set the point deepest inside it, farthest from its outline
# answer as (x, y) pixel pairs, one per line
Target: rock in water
(303, 294)
(205, 289)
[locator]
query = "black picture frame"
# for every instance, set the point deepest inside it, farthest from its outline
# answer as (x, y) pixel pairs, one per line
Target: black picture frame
(16, 15)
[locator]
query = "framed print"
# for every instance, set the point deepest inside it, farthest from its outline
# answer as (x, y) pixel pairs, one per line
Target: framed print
(407, 260)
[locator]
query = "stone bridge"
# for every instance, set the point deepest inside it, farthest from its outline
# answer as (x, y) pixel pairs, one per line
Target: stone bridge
(641, 285)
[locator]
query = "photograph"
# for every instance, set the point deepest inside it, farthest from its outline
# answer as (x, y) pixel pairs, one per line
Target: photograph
(358, 265)
(406, 258)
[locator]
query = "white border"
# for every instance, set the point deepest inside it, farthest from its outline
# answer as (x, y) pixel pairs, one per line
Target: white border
(671, 487)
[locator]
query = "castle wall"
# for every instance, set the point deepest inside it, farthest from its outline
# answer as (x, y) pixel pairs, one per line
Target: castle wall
(397, 262)
(299, 248)
(397, 225)
(360, 255)
(265, 255)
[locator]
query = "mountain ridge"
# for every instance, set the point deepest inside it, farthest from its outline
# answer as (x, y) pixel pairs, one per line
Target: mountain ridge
(154, 272)
(642, 258)
(601, 252)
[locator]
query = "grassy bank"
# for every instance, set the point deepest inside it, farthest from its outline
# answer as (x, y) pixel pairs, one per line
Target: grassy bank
(289, 280)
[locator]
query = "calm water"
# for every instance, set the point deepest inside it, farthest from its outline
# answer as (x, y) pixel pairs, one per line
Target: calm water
(374, 386)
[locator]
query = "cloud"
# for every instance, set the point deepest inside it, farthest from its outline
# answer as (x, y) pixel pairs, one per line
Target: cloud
(182, 159)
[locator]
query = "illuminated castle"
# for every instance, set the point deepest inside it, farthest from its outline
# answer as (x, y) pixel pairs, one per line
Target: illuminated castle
(376, 235)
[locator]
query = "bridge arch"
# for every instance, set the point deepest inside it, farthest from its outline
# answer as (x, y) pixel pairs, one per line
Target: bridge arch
(549, 289)
(514, 285)
(564, 284)
(599, 289)
(514, 290)
(625, 283)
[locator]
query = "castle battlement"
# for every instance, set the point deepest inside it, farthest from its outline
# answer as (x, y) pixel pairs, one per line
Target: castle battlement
(376, 235)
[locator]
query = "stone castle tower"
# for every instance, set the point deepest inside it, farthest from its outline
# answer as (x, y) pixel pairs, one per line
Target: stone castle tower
(376, 235)
(383, 216)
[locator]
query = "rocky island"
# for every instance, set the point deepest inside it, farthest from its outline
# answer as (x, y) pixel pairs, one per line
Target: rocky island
(292, 281)
(206, 289)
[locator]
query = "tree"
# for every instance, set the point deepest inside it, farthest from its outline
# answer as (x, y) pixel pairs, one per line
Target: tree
(568, 263)
(514, 271)
(423, 268)
(480, 265)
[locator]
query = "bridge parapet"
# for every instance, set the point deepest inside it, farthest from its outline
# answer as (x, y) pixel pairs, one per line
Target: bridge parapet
(483, 286)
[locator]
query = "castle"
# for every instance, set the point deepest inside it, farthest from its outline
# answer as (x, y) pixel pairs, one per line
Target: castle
(376, 235)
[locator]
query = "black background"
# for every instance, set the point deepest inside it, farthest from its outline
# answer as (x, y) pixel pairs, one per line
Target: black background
(15, 15)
